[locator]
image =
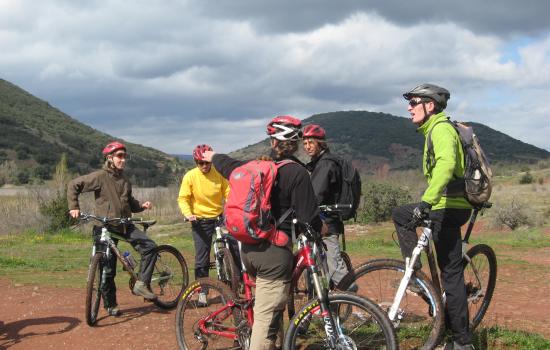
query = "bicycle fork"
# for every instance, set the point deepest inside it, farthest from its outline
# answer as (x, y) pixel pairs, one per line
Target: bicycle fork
(423, 243)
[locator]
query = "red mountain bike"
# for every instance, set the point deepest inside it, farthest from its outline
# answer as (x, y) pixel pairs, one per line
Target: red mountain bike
(330, 320)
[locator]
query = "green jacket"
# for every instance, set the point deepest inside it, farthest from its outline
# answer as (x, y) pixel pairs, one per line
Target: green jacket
(112, 192)
(448, 163)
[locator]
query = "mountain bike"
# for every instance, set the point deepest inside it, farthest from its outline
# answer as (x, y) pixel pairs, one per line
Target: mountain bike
(415, 304)
(224, 261)
(302, 288)
(170, 274)
(335, 320)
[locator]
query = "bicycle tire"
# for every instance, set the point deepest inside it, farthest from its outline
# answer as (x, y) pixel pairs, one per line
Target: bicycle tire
(189, 312)
(484, 260)
(368, 325)
(170, 277)
(229, 273)
(422, 313)
(93, 294)
(347, 261)
(300, 293)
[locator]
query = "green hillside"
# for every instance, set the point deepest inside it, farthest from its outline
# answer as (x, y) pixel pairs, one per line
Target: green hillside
(33, 135)
(372, 139)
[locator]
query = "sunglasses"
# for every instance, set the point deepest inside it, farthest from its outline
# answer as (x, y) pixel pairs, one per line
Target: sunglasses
(201, 163)
(413, 103)
(121, 155)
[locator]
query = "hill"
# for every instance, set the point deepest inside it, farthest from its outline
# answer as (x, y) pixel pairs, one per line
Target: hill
(372, 140)
(33, 135)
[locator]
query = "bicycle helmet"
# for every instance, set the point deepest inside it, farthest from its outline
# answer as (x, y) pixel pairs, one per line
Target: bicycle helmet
(199, 150)
(284, 128)
(113, 146)
(314, 131)
(437, 93)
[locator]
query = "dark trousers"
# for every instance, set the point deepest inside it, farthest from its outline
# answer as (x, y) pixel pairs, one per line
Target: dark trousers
(203, 231)
(446, 224)
(143, 245)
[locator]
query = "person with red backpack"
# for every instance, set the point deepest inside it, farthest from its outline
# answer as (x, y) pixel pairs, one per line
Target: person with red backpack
(201, 196)
(270, 260)
(113, 198)
(448, 210)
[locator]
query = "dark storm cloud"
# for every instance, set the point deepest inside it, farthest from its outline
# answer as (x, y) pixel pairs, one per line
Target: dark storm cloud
(503, 18)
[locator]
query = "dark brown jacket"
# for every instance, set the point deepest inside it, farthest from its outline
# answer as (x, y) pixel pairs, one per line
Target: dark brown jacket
(112, 191)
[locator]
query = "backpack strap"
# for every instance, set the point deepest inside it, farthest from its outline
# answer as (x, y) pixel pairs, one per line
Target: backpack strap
(455, 187)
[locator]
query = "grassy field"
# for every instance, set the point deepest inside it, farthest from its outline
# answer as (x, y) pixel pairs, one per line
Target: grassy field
(60, 259)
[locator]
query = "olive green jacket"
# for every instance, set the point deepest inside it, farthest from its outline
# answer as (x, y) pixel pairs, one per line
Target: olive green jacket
(112, 192)
(448, 163)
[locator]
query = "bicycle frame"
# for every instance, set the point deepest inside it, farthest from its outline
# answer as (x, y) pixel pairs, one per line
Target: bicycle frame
(425, 243)
(305, 258)
(107, 239)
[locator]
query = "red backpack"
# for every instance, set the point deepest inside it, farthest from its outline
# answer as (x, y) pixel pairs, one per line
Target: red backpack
(247, 209)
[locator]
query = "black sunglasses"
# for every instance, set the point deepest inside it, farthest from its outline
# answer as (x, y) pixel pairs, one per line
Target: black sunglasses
(201, 163)
(413, 103)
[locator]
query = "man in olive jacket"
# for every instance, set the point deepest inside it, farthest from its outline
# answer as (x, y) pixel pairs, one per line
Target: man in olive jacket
(113, 198)
(444, 171)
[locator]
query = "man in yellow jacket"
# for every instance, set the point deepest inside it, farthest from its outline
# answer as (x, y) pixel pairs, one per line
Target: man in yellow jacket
(201, 197)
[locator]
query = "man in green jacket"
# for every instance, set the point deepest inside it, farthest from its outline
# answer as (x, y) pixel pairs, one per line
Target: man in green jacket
(113, 198)
(443, 169)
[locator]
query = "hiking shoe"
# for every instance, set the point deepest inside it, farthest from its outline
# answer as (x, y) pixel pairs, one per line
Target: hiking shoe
(114, 311)
(455, 346)
(141, 288)
(353, 288)
(202, 302)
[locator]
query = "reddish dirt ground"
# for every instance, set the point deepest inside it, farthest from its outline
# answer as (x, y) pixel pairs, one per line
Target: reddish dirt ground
(36, 317)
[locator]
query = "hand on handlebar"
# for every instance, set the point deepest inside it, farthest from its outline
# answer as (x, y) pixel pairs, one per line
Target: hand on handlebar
(147, 205)
(422, 211)
(74, 213)
(191, 218)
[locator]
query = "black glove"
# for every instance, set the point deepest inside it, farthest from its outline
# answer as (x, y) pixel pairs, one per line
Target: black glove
(422, 211)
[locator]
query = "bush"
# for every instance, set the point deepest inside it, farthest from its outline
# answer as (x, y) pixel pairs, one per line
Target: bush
(527, 178)
(379, 199)
(514, 215)
(56, 212)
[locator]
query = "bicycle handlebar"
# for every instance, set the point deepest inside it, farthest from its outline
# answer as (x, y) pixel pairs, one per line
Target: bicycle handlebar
(107, 221)
(334, 207)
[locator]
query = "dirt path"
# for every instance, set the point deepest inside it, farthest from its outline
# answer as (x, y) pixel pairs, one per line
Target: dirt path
(36, 317)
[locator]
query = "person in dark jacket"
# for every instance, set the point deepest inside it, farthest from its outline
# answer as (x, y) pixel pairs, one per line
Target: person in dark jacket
(113, 198)
(326, 178)
(269, 263)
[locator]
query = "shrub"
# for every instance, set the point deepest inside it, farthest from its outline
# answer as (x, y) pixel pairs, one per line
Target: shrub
(527, 178)
(379, 199)
(56, 212)
(513, 215)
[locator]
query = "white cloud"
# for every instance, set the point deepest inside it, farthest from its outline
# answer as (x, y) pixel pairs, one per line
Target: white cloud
(166, 73)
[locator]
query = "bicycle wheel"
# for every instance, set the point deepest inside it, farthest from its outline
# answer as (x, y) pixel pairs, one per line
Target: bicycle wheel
(347, 260)
(93, 294)
(301, 292)
(170, 277)
(420, 318)
(362, 324)
(229, 274)
(196, 322)
(480, 275)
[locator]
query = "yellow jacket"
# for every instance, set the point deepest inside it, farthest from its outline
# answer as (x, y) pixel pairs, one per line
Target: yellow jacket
(202, 194)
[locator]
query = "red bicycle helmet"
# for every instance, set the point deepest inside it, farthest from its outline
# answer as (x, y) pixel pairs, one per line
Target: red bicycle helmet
(199, 150)
(314, 131)
(113, 146)
(285, 127)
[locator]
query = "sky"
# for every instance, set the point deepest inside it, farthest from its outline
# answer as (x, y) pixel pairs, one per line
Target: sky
(173, 74)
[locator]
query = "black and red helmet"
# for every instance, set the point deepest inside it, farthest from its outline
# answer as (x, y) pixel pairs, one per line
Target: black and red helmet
(314, 131)
(285, 127)
(113, 146)
(198, 152)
